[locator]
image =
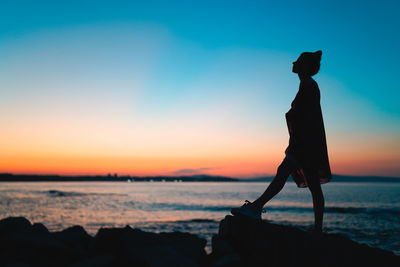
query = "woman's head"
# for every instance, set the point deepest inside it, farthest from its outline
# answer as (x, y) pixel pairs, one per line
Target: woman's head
(308, 63)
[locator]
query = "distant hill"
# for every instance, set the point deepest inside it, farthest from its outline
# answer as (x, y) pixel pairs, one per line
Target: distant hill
(337, 178)
(8, 177)
(348, 178)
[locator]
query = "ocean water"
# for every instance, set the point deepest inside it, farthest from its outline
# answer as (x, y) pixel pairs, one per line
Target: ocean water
(366, 212)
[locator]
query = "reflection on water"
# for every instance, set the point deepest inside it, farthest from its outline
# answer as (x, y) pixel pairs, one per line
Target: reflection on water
(367, 212)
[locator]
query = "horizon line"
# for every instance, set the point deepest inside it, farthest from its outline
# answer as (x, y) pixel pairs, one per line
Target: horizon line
(182, 175)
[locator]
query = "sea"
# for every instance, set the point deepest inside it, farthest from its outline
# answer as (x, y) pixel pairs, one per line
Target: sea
(367, 212)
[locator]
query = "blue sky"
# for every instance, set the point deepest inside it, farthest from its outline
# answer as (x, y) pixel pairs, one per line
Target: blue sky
(362, 37)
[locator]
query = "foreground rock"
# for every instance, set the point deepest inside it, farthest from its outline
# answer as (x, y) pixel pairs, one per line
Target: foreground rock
(246, 242)
(240, 242)
(24, 244)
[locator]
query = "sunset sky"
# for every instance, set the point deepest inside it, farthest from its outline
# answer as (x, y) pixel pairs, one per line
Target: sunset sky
(178, 87)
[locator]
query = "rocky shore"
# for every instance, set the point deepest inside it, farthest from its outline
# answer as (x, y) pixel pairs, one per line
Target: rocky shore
(247, 242)
(240, 242)
(26, 244)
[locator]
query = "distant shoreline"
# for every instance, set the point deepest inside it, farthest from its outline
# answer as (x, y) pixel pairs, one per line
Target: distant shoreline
(8, 177)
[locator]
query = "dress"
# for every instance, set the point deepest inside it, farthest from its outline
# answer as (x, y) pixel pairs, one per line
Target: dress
(307, 141)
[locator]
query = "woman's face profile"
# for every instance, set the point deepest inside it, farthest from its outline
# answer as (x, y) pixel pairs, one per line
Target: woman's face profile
(298, 66)
(306, 66)
(295, 67)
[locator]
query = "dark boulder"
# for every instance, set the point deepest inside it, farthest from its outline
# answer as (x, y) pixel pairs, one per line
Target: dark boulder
(167, 249)
(102, 260)
(246, 242)
(39, 228)
(22, 242)
(163, 255)
(76, 240)
(75, 237)
(15, 224)
(110, 240)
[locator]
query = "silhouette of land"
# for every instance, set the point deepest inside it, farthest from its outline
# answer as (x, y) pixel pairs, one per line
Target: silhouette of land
(339, 178)
(247, 242)
(8, 177)
(239, 242)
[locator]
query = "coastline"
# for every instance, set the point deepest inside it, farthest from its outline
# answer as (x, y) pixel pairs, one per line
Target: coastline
(9, 177)
(238, 238)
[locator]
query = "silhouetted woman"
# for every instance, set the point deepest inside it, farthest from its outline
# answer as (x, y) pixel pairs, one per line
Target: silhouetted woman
(306, 156)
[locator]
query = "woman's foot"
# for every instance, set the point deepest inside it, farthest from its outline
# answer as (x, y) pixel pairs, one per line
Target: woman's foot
(248, 210)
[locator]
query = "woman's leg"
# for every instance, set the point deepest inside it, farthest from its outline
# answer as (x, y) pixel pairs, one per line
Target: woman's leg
(318, 198)
(283, 172)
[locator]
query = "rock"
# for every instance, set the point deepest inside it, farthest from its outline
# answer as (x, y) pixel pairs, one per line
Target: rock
(139, 244)
(164, 255)
(14, 224)
(24, 244)
(18, 264)
(98, 261)
(188, 244)
(258, 243)
(240, 242)
(76, 238)
(33, 248)
(228, 260)
(39, 228)
(220, 246)
(110, 240)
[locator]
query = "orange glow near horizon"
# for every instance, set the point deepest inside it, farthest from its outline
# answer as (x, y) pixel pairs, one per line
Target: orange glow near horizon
(251, 166)
(86, 147)
(203, 148)
(235, 167)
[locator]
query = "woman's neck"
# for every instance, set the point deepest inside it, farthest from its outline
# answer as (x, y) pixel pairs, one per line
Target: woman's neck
(303, 77)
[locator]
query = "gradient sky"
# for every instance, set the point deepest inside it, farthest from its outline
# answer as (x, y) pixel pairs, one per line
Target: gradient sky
(178, 87)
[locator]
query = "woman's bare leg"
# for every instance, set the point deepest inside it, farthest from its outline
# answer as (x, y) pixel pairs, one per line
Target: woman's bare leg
(283, 172)
(317, 197)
